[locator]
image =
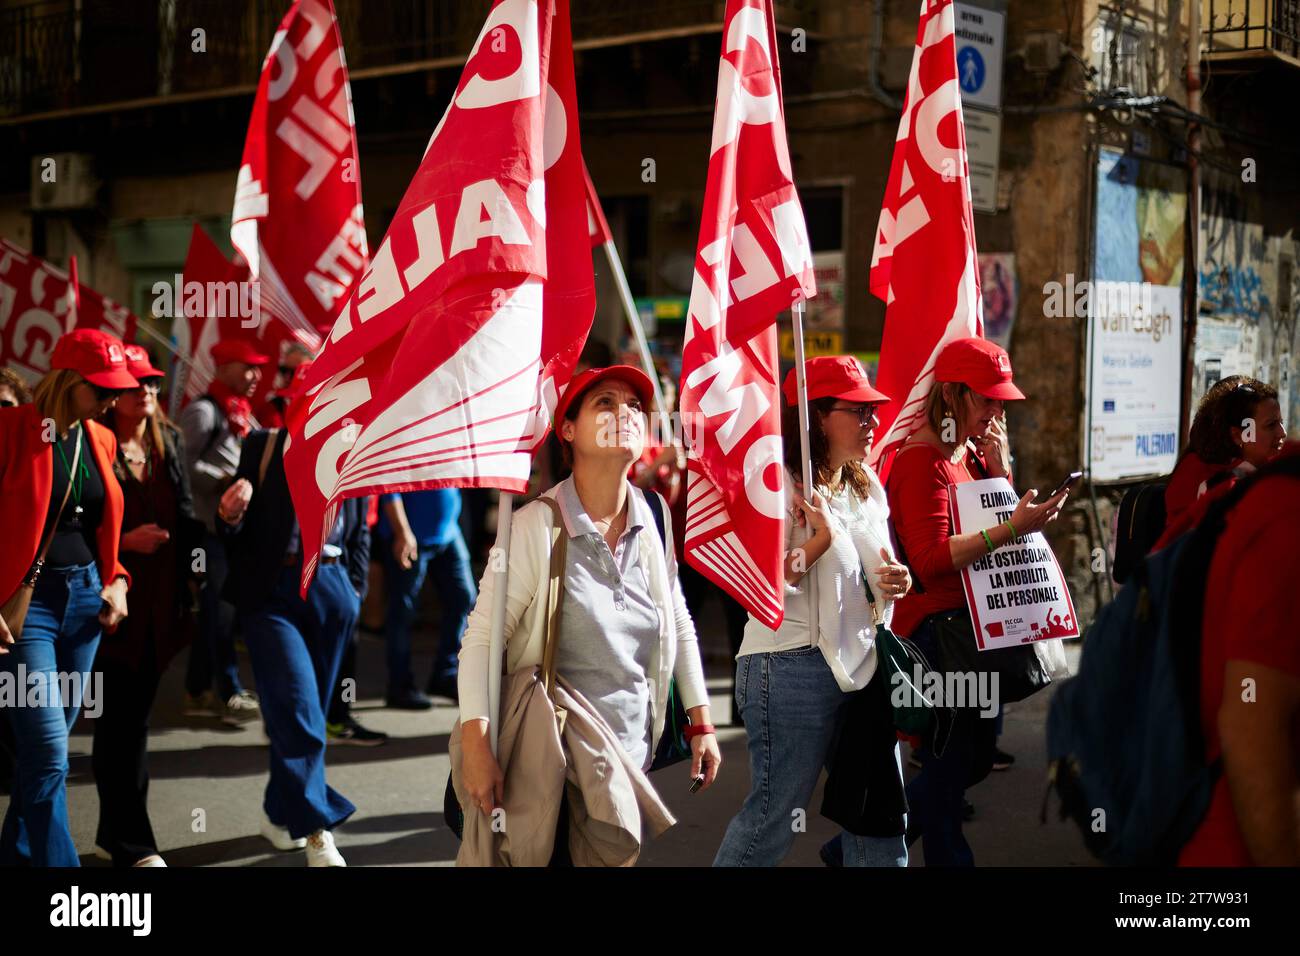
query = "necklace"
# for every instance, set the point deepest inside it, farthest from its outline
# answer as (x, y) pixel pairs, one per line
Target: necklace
(76, 481)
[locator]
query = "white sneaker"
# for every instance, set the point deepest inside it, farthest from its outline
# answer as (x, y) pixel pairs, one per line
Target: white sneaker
(153, 859)
(279, 836)
(240, 709)
(321, 850)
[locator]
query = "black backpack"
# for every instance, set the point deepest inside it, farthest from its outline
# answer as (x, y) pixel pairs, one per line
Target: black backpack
(1141, 522)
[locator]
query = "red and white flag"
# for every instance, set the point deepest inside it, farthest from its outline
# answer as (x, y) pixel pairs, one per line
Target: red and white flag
(207, 308)
(445, 365)
(924, 264)
(297, 218)
(40, 302)
(597, 227)
(753, 260)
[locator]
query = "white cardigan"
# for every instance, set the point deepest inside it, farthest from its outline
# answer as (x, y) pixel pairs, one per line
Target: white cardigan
(678, 653)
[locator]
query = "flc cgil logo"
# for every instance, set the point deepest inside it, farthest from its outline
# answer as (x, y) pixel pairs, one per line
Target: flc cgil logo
(77, 909)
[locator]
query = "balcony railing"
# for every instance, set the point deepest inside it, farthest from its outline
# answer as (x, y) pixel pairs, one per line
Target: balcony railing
(1243, 28)
(60, 55)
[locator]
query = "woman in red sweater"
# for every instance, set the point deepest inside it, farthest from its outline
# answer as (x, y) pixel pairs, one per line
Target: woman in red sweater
(62, 517)
(963, 438)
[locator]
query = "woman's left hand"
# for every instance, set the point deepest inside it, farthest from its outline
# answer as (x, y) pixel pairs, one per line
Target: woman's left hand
(114, 596)
(895, 580)
(995, 449)
(706, 758)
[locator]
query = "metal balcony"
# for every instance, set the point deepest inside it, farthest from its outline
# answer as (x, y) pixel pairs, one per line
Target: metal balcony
(1238, 32)
(59, 56)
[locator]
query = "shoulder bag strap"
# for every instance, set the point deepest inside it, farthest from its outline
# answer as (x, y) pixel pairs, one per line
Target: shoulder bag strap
(49, 538)
(554, 594)
(272, 438)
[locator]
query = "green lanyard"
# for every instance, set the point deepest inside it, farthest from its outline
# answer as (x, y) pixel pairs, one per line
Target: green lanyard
(79, 480)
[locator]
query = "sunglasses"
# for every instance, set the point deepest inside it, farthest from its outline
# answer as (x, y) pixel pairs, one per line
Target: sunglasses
(863, 412)
(151, 385)
(107, 394)
(8, 403)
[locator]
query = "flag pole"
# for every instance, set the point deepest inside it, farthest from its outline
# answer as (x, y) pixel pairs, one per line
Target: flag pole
(499, 565)
(634, 320)
(801, 383)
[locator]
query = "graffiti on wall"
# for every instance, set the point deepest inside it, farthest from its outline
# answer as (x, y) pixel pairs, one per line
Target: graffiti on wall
(1235, 260)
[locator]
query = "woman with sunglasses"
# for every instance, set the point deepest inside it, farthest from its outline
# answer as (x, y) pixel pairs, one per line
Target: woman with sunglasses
(793, 685)
(62, 518)
(158, 541)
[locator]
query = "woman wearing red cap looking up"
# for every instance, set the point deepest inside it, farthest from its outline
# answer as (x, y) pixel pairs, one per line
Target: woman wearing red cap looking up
(793, 686)
(963, 437)
(622, 636)
(158, 542)
(62, 517)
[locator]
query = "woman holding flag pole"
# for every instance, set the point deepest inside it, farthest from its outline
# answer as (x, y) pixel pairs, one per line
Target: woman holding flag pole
(794, 683)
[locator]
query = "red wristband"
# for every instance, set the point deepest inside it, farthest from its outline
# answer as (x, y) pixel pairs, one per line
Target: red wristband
(699, 730)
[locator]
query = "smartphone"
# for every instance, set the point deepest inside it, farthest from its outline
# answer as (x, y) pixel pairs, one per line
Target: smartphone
(1066, 482)
(696, 783)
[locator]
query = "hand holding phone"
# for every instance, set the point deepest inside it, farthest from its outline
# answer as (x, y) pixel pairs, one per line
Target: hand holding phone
(1066, 482)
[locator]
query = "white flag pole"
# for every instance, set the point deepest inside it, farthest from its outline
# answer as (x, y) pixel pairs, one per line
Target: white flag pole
(500, 567)
(634, 320)
(801, 382)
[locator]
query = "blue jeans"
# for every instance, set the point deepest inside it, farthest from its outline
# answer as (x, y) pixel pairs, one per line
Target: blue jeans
(449, 565)
(790, 703)
(295, 647)
(937, 794)
(60, 635)
(213, 657)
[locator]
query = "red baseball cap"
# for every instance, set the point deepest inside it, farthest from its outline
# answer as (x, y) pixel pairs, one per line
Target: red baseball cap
(238, 350)
(980, 364)
(139, 364)
(833, 376)
(580, 384)
(98, 357)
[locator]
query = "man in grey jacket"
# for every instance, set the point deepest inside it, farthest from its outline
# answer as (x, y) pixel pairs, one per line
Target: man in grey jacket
(214, 427)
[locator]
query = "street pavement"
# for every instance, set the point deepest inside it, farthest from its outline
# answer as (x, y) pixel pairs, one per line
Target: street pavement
(207, 782)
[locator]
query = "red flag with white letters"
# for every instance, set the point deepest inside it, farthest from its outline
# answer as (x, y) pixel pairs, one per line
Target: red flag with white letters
(753, 261)
(924, 264)
(297, 218)
(443, 368)
(39, 302)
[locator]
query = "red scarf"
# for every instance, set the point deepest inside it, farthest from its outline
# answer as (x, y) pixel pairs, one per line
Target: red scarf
(236, 408)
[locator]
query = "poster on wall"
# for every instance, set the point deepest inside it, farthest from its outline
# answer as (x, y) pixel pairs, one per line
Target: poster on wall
(825, 312)
(1224, 346)
(1017, 593)
(998, 287)
(1134, 358)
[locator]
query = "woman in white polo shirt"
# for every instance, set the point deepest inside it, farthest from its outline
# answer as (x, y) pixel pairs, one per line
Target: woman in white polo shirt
(792, 687)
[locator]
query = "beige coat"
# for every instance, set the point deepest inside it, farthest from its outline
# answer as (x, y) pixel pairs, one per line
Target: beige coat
(544, 748)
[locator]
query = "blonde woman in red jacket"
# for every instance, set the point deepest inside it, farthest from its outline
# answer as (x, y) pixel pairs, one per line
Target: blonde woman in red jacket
(50, 450)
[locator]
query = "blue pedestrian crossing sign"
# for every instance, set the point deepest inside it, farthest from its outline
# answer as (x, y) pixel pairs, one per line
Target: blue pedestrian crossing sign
(979, 33)
(970, 69)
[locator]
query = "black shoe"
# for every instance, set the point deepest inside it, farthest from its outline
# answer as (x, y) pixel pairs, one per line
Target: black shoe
(409, 699)
(444, 687)
(967, 811)
(1002, 760)
(351, 732)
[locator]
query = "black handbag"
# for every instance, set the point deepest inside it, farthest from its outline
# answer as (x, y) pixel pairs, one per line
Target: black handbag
(864, 790)
(1020, 671)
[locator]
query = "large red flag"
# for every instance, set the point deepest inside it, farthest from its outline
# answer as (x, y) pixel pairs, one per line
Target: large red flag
(40, 302)
(924, 263)
(753, 260)
(444, 367)
(297, 219)
(207, 308)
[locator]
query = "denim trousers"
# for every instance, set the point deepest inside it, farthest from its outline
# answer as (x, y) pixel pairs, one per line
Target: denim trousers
(295, 647)
(791, 704)
(60, 636)
(212, 656)
(448, 565)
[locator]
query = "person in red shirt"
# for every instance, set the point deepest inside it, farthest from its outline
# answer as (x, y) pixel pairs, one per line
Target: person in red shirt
(963, 437)
(61, 512)
(1238, 428)
(1250, 683)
